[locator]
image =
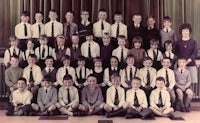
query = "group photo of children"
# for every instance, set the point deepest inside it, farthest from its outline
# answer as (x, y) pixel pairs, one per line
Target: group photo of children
(100, 68)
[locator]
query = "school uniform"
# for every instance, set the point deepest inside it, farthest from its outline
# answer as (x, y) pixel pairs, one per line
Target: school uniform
(9, 53)
(173, 58)
(106, 54)
(69, 30)
(83, 28)
(37, 29)
(59, 53)
(108, 73)
(81, 75)
(25, 56)
(50, 71)
(157, 57)
(75, 53)
(167, 34)
(118, 29)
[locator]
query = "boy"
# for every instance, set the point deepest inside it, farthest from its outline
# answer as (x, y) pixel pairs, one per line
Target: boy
(68, 96)
(23, 30)
(101, 26)
(135, 29)
(121, 51)
(53, 28)
(138, 106)
(115, 98)
(129, 72)
(21, 103)
(37, 29)
(47, 97)
(182, 86)
(160, 99)
(13, 50)
(92, 99)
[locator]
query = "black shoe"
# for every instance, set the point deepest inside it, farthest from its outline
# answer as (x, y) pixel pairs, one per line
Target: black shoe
(25, 113)
(128, 116)
(183, 109)
(9, 114)
(51, 113)
(33, 113)
(76, 113)
(108, 115)
(171, 116)
(187, 109)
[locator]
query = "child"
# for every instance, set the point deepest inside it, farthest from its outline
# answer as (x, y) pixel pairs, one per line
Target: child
(12, 74)
(23, 30)
(169, 53)
(92, 99)
(43, 51)
(53, 28)
(147, 74)
(160, 99)
(121, 51)
(129, 72)
(21, 103)
(84, 26)
(137, 51)
(75, 50)
(138, 106)
(135, 29)
(37, 29)
(60, 50)
(47, 97)
(169, 76)
(106, 50)
(62, 71)
(115, 98)
(167, 33)
(183, 83)
(13, 50)
(155, 54)
(49, 69)
(68, 96)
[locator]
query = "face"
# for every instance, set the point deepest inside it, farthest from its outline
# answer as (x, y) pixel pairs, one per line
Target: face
(160, 84)
(121, 42)
(66, 62)
(168, 47)
(135, 84)
(49, 62)
(31, 61)
(53, 16)
(81, 63)
(14, 62)
(166, 63)
(14, 43)
(154, 46)
(167, 24)
(137, 45)
(147, 63)
(118, 18)
(102, 16)
(60, 42)
(89, 38)
(150, 22)
(47, 84)
(116, 82)
(106, 40)
(30, 45)
(69, 17)
(85, 15)
(21, 85)
(182, 63)
(38, 17)
(24, 19)
(67, 83)
(43, 42)
(137, 19)
(113, 62)
(98, 64)
(185, 33)
(92, 81)
(130, 61)
(75, 40)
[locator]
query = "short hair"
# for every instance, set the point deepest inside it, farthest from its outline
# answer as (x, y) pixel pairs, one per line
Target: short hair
(67, 77)
(160, 79)
(137, 14)
(61, 36)
(15, 56)
(81, 58)
(137, 39)
(84, 11)
(75, 34)
(106, 34)
(151, 16)
(49, 57)
(147, 58)
(102, 10)
(12, 38)
(136, 78)
(22, 79)
(167, 18)
(122, 37)
(25, 13)
(118, 13)
(154, 41)
(65, 57)
(53, 10)
(114, 75)
(115, 57)
(92, 75)
(32, 56)
(181, 59)
(97, 59)
(130, 56)
(43, 37)
(166, 58)
(39, 12)
(89, 33)
(70, 11)
(185, 26)
(47, 78)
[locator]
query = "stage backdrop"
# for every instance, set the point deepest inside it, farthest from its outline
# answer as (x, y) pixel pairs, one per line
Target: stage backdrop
(180, 11)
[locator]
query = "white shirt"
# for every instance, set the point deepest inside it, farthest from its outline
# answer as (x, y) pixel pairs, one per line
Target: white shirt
(141, 96)
(37, 74)
(122, 29)
(19, 31)
(61, 73)
(58, 28)
(169, 53)
(143, 75)
(27, 53)
(68, 52)
(97, 28)
(159, 55)
(35, 30)
(23, 97)
(110, 96)
(9, 52)
(107, 76)
(83, 74)
(48, 51)
(117, 52)
(94, 47)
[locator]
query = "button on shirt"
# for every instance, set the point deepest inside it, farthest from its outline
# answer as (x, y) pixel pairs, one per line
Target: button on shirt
(58, 28)
(94, 47)
(143, 75)
(97, 28)
(122, 29)
(117, 52)
(35, 30)
(19, 31)
(159, 55)
(23, 97)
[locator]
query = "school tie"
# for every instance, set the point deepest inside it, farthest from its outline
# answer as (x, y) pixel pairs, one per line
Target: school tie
(25, 30)
(68, 96)
(49, 71)
(14, 52)
(43, 52)
(154, 55)
(52, 29)
(169, 55)
(136, 103)
(131, 74)
(160, 102)
(116, 101)
(102, 26)
(84, 23)
(167, 30)
(80, 73)
(181, 71)
(148, 77)
(75, 48)
(117, 33)
(68, 30)
(46, 90)
(39, 29)
(167, 78)
(89, 51)
(31, 75)
(66, 71)
(122, 55)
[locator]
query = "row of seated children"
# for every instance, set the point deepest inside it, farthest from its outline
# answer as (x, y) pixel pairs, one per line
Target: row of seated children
(179, 78)
(131, 104)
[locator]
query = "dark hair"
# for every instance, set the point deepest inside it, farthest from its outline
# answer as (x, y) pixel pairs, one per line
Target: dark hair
(22, 79)
(122, 36)
(115, 57)
(185, 26)
(137, 39)
(67, 77)
(47, 78)
(151, 16)
(75, 34)
(42, 37)
(65, 57)
(118, 13)
(39, 12)
(167, 42)
(114, 75)
(81, 58)
(32, 56)
(154, 41)
(137, 14)
(70, 11)
(15, 56)
(147, 58)
(98, 59)
(49, 57)
(12, 38)
(91, 75)
(167, 18)
(136, 78)
(102, 10)
(53, 10)
(25, 13)
(167, 58)
(130, 56)
(160, 79)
